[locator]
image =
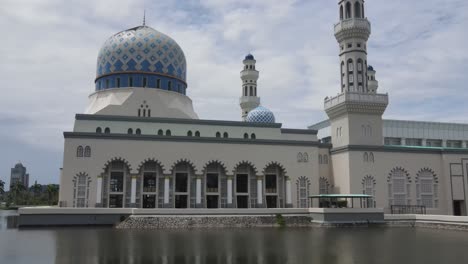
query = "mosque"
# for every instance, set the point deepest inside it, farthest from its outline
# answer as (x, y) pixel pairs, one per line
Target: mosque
(140, 144)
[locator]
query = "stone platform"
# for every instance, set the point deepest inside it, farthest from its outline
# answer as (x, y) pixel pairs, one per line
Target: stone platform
(56, 216)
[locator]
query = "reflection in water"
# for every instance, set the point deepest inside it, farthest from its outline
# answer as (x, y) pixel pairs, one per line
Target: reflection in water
(260, 245)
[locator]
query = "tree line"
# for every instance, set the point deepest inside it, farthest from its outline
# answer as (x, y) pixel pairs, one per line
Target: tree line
(37, 194)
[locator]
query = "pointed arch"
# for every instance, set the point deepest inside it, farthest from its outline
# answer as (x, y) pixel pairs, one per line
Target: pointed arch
(98, 130)
(214, 190)
(245, 185)
(303, 192)
(371, 157)
(184, 184)
(357, 10)
(366, 157)
(348, 10)
(368, 187)
(341, 12)
(427, 188)
(320, 158)
(399, 186)
(275, 182)
(116, 159)
(116, 183)
(324, 185)
(149, 160)
(81, 186)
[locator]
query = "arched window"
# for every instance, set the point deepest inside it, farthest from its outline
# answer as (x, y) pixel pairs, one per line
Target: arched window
(357, 10)
(325, 159)
(363, 16)
(169, 85)
(168, 132)
(107, 130)
(251, 90)
(189, 134)
(348, 10)
(368, 187)
(246, 136)
(343, 75)
(305, 157)
(218, 134)
(371, 157)
(197, 134)
(366, 157)
(225, 135)
(138, 131)
(323, 186)
(98, 130)
(341, 12)
(350, 75)
(139, 112)
(245, 90)
(303, 190)
(399, 187)
(427, 189)
(149, 112)
(320, 159)
(252, 136)
(130, 131)
(87, 151)
(79, 151)
(160, 132)
(300, 157)
(369, 130)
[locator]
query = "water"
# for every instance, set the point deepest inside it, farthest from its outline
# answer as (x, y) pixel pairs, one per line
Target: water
(268, 245)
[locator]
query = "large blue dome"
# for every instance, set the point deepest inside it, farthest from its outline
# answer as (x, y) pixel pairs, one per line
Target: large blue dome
(261, 115)
(141, 57)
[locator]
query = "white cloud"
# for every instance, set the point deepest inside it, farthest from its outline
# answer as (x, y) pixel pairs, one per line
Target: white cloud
(50, 47)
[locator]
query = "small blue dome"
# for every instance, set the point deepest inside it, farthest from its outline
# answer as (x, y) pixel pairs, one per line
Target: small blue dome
(249, 57)
(261, 115)
(370, 68)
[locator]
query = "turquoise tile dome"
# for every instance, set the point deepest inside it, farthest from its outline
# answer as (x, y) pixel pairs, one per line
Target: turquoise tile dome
(141, 53)
(261, 115)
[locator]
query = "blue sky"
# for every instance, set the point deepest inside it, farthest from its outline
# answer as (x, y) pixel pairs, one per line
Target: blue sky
(49, 51)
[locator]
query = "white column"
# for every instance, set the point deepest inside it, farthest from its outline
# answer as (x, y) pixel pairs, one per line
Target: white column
(198, 187)
(403, 141)
(259, 191)
(463, 144)
(133, 190)
(229, 190)
(99, 190)
(166, 190)
(288, 191)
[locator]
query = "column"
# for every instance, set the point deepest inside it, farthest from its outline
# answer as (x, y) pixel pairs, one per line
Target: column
(259, 192)
(444, 143)
(403, 141)
(229, 192)
(463, 144)
(288, 193)
(424, 142)
(99, 192)
(166, 192)
(198, 192)
(133, 191)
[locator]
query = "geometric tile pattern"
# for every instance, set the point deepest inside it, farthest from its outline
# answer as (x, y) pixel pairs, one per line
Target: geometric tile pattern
(141, 49)
(261, 115)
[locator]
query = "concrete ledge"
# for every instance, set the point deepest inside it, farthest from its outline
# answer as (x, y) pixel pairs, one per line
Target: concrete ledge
(429, 221)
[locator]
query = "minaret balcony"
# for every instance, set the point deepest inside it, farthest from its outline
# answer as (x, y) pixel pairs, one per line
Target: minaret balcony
(249, 74)
(353, 27)
(356, 102)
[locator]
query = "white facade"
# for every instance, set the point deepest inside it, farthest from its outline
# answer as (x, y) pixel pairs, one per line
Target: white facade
(144, 146)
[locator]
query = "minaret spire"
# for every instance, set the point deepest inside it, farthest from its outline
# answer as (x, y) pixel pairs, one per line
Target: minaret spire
(144, 17)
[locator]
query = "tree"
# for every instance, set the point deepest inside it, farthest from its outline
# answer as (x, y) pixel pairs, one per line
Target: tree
(2, 187)
(17, 190)
(51, 191)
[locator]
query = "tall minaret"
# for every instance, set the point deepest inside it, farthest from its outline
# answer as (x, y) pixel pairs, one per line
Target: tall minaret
(356, 113)
(352, 34)
(249, 77)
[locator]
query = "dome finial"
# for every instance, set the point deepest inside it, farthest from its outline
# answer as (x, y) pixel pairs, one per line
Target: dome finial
(144, 17)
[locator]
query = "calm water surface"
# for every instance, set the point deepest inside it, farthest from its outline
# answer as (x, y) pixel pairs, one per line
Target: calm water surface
(269, 246)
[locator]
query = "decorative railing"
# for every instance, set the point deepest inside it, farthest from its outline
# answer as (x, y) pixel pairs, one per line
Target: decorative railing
(408, 209)
(356, 97)
(353, 22)
(211, 190)
(270, 190)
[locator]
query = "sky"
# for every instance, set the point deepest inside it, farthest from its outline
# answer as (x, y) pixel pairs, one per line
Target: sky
(49, 50)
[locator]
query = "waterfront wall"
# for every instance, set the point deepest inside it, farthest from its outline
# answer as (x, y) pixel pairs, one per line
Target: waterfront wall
(428, 221)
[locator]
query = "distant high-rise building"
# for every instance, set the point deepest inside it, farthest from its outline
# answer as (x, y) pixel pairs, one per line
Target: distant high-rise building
(18, 174)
